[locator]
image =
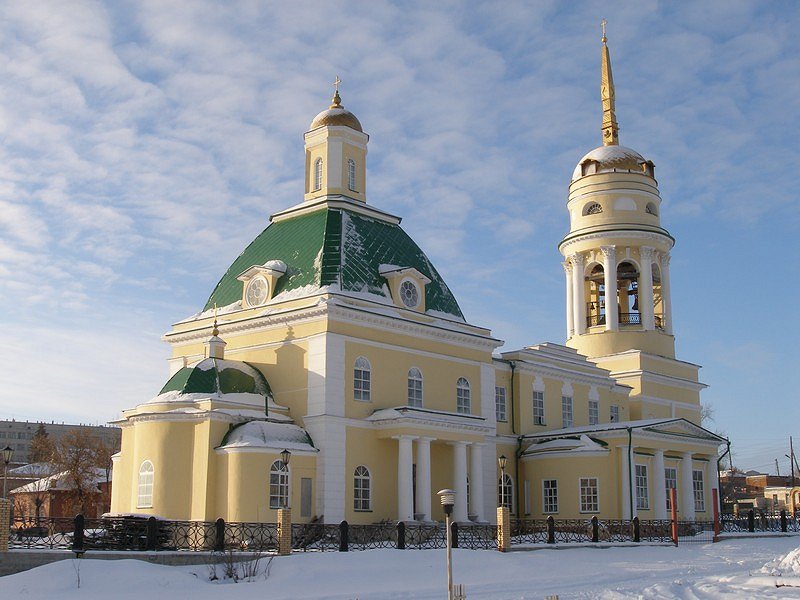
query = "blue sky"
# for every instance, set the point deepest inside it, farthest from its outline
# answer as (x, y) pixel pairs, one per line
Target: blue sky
(144, 144)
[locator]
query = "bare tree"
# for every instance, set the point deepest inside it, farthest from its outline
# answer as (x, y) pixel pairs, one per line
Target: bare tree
(76, 457)
(42, 446)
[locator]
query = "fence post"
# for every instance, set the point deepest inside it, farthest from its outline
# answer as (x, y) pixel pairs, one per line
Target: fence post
(219, 535)
(5, 524)
(751, 520)
(636, 532)
(595, 529)
(673, 504)
(503, 529)
(551, 530)
(77, 536)
(401, 535)
(152, 532)
(454, 533)
(715, 502)
(783, 521)
(344, 536)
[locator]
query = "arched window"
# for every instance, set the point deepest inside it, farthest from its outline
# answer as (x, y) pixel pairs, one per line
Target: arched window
(318, 174)
(628, 286)
(415, 387)
(362, 499)
(463, 403)
(362, 385)
(592, 209)
(279, 485)
(146, 472)
(596, 304)
(351, 174)
(505, 492)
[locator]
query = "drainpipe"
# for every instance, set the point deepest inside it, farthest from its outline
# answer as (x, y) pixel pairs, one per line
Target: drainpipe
(719, 485)
(630, 464)
(513, 399)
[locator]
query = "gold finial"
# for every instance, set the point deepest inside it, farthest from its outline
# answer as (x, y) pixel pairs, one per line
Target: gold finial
(609, 127)
(215, 331)
(337, 101)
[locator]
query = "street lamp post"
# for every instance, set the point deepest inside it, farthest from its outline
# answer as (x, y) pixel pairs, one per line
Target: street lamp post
(8, 452)
(448, 498)
(501, 462)
(285, 456)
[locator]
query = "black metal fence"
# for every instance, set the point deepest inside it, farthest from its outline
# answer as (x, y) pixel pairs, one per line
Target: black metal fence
(151, 534)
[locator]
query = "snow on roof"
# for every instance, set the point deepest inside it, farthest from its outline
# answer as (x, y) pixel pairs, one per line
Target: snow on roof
(582, 444)
(39, 469)
(601, 427)
(268, 434)
(58, 481)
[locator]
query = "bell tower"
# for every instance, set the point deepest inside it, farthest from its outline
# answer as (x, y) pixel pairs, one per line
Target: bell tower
(617, 255)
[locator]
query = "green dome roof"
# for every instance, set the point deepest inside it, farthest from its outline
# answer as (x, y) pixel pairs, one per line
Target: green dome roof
(335, 246)
(217, 376)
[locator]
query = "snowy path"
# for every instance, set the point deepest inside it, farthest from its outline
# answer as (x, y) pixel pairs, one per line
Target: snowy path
(740, 569)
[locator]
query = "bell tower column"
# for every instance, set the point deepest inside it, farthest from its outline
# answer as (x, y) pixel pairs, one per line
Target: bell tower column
(578, 293)
(570, 309)
(666, 302)
(610, 282)
(646, 288)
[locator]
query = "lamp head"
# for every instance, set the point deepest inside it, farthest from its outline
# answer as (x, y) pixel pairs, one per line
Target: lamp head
(502, 462)
(285, 456)
(8, 452)
(448, 499)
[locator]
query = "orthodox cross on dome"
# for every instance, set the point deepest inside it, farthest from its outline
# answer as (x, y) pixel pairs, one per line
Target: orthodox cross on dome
(609, 127)
(337, 101)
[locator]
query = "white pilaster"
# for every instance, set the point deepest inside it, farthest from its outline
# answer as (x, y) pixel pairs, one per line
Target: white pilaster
(610, 282)
(646, 288)
(686, 492)
(460, 480)
(570, 309)
(578, 293)
(476, 482)
(405, 478)
(659, 485)
(424, 478)
(666, 298)
(627, 477)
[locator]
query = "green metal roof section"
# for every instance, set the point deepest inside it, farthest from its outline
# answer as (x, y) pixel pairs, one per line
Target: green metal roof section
(333, 246)
(214, 375)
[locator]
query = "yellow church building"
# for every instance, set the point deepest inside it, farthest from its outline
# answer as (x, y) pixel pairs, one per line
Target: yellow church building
(336, 339)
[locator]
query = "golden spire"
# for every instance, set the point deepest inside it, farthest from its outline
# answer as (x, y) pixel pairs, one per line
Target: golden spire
(215, 331)
(610, 128)
(337, 101)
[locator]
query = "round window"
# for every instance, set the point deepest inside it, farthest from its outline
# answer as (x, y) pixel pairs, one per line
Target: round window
(257, 290)
(409, 293)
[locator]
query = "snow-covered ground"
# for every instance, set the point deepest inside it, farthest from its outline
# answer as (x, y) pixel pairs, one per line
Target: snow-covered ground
(740, 569)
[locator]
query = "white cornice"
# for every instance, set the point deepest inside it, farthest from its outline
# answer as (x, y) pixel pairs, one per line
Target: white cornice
(658, 378)
(564, 454)
(566, 374)
(634, 352)
(650, 236)
(334, 201)
(262, 450)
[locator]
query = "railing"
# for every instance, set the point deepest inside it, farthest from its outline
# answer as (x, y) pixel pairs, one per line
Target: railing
(624, 319)
(630, 319)
(754, 521)
(593, 320)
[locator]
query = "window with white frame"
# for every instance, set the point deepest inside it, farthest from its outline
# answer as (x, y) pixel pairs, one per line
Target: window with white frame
(362, 385)
(614, 413)
(549, 495)
(318, 174)
(505, 492)
(590, 496)
(415, 387)
(351, 174)
(670, 483)
(146, 473)
(279, 485)
(642, 496)
(566, 411)
(463, 402)
(699, 491)
(594, 412)
(538, 407)
(362, 499)
(500, 404)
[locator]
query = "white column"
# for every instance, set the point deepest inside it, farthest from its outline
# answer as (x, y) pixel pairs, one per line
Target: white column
(659, 485)
(476, 482)
(570, 310)
(578, 299)
(626, 464)
(686, 493)
(424, 478)
(646, 288)
(666, 300)
(610, 282)
(460, 480)
(405, 478)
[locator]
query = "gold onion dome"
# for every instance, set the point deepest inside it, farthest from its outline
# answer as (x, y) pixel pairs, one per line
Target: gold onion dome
(336, 115)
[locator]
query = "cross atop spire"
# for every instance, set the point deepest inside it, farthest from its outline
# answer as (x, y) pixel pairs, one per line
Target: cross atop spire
(603, 27)
(337, 100)
(609, 127)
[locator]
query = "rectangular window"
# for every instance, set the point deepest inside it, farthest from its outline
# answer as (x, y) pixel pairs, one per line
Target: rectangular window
(590, 500)
(305, 497)
(538, 408)
(642, 496)
(566, 411)
(594, 412)
(550, 496)
(527, 498)
(699, 492)
(500, 404)
(671, 483)
(614, 413)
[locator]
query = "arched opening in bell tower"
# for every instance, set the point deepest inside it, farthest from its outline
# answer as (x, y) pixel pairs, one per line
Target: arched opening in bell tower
(628, 288)
(658, 298)
(596, 301)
